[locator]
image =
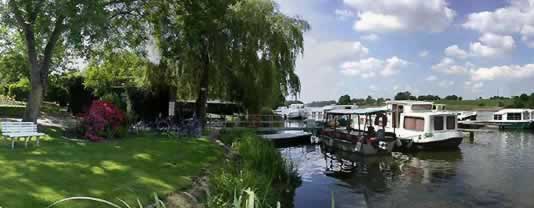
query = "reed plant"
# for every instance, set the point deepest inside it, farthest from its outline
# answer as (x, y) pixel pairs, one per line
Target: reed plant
(259, 168)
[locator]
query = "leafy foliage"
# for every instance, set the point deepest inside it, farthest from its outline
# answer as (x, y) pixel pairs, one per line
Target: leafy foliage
(344, 100)
(103, 120)
(259, 167)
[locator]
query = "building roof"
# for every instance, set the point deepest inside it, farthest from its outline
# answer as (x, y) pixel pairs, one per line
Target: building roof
(359, 111)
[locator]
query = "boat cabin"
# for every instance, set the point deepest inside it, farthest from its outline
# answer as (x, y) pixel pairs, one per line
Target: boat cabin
(423, 123)
(354, 130)
(318, 113)
(513, 115)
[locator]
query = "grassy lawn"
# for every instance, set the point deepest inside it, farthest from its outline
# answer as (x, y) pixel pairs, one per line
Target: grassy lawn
(130, 168)
(17, 111)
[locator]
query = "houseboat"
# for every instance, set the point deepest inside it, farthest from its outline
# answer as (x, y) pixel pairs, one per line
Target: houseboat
(419, 126)
(351, 130)
(318, 113)
(294, 111)
(514, 118)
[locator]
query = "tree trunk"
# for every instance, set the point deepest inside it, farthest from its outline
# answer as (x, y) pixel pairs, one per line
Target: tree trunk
(202, 99)
(35, 98)
(172, 101)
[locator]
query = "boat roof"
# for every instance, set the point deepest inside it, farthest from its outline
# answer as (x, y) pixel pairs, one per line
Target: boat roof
(513, 110)
(409, 102)
(429, 113)
(359, 111)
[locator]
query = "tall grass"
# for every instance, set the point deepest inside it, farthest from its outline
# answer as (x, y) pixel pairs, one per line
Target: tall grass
(259, 168)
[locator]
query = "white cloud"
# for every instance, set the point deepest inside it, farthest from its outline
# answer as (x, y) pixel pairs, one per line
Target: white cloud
(456, 52)
(449, 66)
(489, 45)
(503, 72)
(423, 53)
(371, 67)
(492, 45)
(343, 14)
(431, 78)
(410, 15)
(370, 21)
(474, 86)
(370, 37)
(516, 18)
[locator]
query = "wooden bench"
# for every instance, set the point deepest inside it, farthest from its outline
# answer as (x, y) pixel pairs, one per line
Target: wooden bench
(17, 130)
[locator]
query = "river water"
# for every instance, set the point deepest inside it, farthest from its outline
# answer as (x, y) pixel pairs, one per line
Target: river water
(496, 169)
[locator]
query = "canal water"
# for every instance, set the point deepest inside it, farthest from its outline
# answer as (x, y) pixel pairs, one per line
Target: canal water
(496, 169)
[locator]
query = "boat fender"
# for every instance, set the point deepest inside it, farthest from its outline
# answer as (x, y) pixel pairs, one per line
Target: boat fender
(381, 118)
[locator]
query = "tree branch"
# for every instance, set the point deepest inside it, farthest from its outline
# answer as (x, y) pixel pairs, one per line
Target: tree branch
(28, 33)
(49, 49)
(36, 9)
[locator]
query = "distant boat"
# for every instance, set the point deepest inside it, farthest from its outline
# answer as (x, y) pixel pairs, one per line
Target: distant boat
(467, 116)
(294, 111)
(514, 118)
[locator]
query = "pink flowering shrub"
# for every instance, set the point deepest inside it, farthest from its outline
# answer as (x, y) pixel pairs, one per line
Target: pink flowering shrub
(103, 120)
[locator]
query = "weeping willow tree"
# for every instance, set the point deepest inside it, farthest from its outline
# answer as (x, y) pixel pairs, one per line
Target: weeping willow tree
(239, 50)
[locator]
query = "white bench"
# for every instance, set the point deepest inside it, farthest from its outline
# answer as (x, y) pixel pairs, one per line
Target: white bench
(17, 130)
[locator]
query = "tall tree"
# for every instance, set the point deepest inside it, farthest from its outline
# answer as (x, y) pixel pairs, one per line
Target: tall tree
(344, 100)
(45, 24)
(231, 49)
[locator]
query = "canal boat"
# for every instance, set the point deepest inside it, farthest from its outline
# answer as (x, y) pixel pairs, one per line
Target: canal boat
(513, 118)
(420, 127)
(296, 111)
(350, 130)
(318, 113)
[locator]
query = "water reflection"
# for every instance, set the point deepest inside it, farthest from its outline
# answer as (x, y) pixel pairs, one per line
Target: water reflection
(496, 170)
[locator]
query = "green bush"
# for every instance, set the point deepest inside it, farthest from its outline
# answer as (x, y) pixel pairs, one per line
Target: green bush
(20, 90)
(259, 166)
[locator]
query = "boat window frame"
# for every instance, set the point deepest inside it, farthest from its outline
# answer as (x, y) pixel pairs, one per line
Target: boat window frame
(514, 117)
(416, 118)
(454, 119)
(497, 117)
(442, 126)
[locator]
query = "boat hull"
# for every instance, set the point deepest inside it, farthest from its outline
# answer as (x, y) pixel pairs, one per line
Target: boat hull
(516, 125)
(451, 143)
(356, 147)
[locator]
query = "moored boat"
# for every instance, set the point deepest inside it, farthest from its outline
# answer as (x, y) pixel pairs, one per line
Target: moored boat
(513, 118)
(421, 127)
(341, 133)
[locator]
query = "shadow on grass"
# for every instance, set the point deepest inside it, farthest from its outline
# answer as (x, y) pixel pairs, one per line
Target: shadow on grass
(129, 168)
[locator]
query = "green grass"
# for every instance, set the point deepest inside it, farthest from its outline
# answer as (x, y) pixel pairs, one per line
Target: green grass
(129, 168)
(474, 104)
(17, 111)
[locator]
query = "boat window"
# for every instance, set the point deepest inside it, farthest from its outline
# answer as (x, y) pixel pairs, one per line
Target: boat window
(526, 115)
(513, 116)
(451, 122)
(414, 123)
(422, 107)
(438, 123)
(497, 117)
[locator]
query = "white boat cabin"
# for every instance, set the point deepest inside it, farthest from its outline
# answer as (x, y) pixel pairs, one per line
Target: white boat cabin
(421, 122)
(513, 115)
(319, 113)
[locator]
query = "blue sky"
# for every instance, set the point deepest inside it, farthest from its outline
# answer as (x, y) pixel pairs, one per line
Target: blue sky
(471, 48)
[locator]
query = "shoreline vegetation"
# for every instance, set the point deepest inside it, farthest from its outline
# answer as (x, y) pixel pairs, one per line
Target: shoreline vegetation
(255, 169)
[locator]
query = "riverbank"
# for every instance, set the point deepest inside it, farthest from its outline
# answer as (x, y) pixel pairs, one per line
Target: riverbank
(254, 169)
(130, 168)
(475, 105)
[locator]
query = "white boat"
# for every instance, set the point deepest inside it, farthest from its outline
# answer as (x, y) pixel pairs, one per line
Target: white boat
(296, 111)
(317, 114)
(419, 126)
(467, 116)
(514, 118)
